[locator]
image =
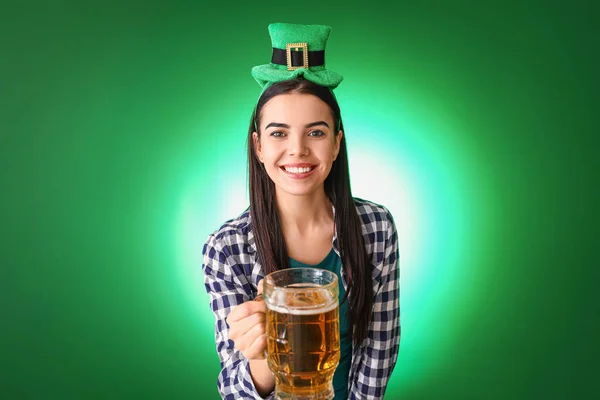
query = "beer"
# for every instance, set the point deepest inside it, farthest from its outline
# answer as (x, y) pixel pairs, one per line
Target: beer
(303, 343)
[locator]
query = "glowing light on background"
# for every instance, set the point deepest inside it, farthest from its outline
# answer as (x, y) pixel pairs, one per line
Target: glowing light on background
(378, 175)
(417, 180)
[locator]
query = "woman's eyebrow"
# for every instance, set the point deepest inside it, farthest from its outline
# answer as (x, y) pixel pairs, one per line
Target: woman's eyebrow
(277, 125)
(280, 125)
(317, 123)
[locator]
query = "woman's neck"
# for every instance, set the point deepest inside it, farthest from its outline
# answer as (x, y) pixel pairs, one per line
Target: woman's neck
(304, 214)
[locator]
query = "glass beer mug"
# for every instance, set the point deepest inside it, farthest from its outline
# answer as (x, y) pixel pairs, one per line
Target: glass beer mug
(303, 333)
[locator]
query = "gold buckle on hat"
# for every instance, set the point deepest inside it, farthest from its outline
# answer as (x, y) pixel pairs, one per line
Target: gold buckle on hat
(296, 47)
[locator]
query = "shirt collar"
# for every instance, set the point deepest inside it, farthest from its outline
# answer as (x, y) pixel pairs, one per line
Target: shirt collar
(334, 241)
(251, 243)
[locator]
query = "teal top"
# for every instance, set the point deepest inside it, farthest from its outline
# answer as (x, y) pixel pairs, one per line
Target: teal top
(333, 263)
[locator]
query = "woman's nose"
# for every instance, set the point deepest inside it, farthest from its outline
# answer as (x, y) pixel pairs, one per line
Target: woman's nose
(297, 145)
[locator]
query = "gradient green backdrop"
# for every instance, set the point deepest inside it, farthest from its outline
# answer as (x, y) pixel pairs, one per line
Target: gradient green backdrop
(122, 146)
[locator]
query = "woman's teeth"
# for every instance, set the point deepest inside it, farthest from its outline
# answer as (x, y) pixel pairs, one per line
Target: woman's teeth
(296, 170)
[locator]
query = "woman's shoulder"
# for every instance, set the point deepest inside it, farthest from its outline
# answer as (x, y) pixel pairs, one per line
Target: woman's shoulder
(234, 231)
(371, 212)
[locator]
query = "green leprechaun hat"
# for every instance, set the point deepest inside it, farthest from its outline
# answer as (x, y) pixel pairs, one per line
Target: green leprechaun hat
(298, 50)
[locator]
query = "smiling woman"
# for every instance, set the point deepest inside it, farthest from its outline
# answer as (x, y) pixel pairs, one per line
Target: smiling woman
(302, 214)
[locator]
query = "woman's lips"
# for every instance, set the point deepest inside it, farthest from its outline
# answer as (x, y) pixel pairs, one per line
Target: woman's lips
(298, 171)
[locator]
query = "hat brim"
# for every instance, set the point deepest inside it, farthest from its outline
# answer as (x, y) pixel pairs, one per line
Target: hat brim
(266, 75)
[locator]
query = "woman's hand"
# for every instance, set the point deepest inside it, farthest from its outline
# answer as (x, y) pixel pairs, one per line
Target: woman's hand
(247, 327)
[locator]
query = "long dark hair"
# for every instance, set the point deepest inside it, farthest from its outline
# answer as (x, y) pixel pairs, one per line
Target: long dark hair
(266, 224)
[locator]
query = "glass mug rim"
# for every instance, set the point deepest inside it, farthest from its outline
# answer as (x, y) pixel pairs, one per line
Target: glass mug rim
(273, 282)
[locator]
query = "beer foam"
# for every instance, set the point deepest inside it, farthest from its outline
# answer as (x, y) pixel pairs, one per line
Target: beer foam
(290, 303)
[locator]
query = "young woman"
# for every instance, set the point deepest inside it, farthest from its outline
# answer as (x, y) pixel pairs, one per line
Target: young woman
(302, 213)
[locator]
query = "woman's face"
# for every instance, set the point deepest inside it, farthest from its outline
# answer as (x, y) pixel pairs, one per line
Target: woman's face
(297, 144)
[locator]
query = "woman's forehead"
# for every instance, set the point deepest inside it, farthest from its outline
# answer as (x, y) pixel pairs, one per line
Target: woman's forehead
(295, 108)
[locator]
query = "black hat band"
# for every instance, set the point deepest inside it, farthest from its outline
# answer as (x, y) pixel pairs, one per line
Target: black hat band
(315, 58)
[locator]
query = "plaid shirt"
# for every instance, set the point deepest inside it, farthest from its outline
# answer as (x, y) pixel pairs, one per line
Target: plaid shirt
(231, 276)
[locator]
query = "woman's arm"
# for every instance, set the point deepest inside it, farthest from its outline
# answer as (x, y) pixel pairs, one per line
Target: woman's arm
(263, 378)
(227, 289)
(382, 344)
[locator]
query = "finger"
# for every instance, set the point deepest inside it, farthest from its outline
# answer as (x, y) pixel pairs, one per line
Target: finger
(261, 286)
(256, 349)
(244, 342)
(239, 328)
(244, 310)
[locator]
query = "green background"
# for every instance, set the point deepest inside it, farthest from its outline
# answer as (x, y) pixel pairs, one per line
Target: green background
(122, 146)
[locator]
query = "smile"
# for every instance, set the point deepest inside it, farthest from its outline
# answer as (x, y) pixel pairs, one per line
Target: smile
(298, 172)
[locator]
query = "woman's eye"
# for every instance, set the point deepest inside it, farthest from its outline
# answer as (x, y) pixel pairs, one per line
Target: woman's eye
(316, 133)
(277, 134)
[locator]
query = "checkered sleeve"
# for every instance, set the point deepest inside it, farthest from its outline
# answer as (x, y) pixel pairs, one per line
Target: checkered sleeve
(227, 287)
(382, 344)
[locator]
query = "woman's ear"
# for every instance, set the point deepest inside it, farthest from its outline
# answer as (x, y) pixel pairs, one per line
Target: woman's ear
(257, 147)
(338, 141)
